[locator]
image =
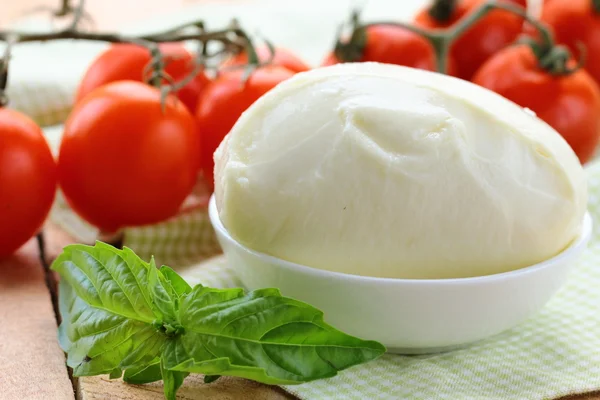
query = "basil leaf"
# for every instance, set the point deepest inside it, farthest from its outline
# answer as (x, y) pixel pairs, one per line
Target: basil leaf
(172, 381)
(260, 336)
(107, 309)
(115, 373)
(123, 314)
(97, 341)
(163, 294)
(143, 374)
(179, 285)
(109, 279)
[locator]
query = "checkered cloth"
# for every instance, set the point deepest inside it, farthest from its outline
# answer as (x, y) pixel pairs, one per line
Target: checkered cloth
(182, 240)
(186, 239)
(43, 77)
(553, 354)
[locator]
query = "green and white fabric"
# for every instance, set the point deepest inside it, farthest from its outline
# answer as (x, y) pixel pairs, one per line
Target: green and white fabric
(553, 354)
(183, 240)
(43, 77)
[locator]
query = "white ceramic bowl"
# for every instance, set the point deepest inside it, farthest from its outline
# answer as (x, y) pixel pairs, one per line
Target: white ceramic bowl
(409, 316)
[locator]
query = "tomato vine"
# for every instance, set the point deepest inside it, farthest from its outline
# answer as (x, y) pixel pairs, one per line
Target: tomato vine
(551, 57)
(233, 38)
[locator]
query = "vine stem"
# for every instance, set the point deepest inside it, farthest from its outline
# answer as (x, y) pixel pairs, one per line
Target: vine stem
(4, 63)
(442, 10)
(65, 8)
(150, 42)
(78, 14)
(23, 37)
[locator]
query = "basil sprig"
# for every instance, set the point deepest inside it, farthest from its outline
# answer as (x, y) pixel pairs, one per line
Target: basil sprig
(121, 314)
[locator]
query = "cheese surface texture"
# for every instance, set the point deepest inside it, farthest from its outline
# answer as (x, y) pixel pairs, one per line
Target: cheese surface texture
(387, 171)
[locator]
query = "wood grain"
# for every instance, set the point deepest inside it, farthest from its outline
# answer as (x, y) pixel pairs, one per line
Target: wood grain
(32, 366)
(226, 388)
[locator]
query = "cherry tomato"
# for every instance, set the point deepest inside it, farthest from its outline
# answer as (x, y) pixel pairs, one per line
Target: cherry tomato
(27, 180)
(282, 57)
(576, 21)
(125, 161)
(394, 45)
(568, 103)
(125, 61)
(224, 100)
(489, 35)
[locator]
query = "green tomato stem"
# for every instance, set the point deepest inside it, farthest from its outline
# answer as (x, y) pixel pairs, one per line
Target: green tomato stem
(65, 9)
(442, 10)
(4, 63)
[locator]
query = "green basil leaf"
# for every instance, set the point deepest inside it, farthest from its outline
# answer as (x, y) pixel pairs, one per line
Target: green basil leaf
(179, 285)
(260, 336)
(116, 373)
(172, 381)
(123, 314)
(66, 302)
(97, 341)
(108, 310)
(164, 296)
(143, 374)
(109, 279)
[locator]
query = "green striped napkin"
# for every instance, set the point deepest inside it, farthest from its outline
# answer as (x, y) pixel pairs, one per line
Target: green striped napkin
(185, 239)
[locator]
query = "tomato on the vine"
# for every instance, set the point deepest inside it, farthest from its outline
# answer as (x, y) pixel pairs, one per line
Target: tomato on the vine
(569, 103)
(573, 22)
(391, 45)
(223, 101)
(27, 180)
(125, 61)
(490, 34)
(127, 160)
(282, 57)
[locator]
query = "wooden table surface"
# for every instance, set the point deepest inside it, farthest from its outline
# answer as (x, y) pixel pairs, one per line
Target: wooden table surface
(32, 366)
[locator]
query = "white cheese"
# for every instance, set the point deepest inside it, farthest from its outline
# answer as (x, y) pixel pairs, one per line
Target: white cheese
(387, 171)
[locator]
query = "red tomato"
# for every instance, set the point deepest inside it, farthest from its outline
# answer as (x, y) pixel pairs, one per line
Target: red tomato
(125, 61)
(568, 103)
(224, 100)
(123, 160)
(394, 45)
(282, 57)
(576, 21)
(27, 180)
(489, 35)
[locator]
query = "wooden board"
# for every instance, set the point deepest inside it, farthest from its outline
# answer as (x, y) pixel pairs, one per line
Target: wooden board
(226, 388)
(32, 366)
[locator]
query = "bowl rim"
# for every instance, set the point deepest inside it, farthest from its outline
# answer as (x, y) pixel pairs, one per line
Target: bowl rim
(577, 246)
